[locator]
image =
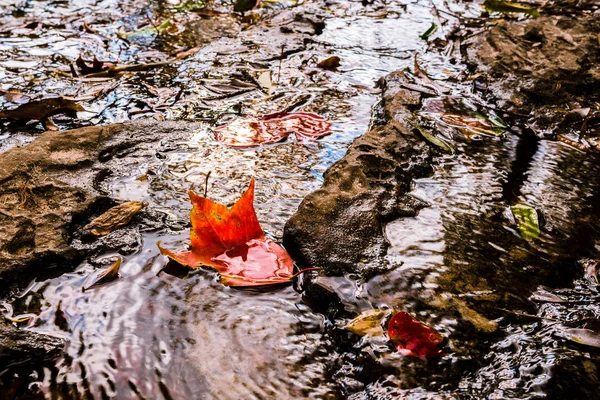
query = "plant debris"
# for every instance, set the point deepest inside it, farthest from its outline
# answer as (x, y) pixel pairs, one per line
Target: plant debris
(272, 128)
(114, 218)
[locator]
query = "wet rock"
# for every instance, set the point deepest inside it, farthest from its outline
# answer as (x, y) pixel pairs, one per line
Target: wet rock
(539, 67)
(54, 185)
(18, 342)
(340, 226)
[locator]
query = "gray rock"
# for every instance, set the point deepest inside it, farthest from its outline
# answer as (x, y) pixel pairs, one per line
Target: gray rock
(340, 226)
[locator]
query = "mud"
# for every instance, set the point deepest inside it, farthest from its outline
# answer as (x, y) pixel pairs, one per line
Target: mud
(54, 186)
(541, 69)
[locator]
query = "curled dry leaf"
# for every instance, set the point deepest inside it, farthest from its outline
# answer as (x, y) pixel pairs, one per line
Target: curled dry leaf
(114, 218)
(41, 109)
(272, 128)
(331, 63)
(107, 275)
(97, 66)
(412, 338)
(368, 323)
(231, 241)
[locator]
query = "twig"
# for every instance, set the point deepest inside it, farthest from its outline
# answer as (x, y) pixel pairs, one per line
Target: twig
(206, 183)
(528, 315)
(280, 61)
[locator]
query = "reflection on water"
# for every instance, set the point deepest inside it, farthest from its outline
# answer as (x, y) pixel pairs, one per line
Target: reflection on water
(159, 332)
(151, 334)
(465, 270)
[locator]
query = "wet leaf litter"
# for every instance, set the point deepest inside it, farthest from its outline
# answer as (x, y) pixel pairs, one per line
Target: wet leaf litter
(450, 120)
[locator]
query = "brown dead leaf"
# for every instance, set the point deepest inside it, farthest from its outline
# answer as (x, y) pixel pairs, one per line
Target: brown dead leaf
(42, 109)
(107, 275)
(97, 66)
(114, 218)
(331, 63)
(14, 96)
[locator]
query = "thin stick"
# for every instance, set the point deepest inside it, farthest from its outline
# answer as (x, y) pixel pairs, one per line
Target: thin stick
(528, 315)
(206, 183)
(280, 61)
(302, 271)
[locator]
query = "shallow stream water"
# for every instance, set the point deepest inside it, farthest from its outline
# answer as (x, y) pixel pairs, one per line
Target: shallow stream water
(181, 334)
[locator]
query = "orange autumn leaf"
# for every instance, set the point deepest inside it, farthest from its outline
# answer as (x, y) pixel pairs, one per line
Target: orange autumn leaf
(231, 241)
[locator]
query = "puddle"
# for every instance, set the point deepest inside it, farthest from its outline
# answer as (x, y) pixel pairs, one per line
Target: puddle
(152, 334)
(187, 337)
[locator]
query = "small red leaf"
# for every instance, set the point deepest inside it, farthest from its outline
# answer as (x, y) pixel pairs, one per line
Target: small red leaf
(272, 128)
(232, 242)
(412, 338)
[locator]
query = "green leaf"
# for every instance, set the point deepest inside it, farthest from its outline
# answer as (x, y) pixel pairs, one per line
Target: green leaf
(510, 7)
(425, 35)
(527, 221)
(431, 138)
(150, 30)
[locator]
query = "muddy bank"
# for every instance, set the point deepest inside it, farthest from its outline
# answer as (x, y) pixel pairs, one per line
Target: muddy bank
(544, 70)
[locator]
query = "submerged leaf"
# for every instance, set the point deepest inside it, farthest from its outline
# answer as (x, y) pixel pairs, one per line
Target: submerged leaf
(164, 27)
(231, 241)
(368, 323)
(42, 109)
(527, 221)
(97, 66)
(107, 275)
(191, 5)
(431, 138)
(272, 128)
(114, 218)
(412, 338)
(586, 337)
(245, 5)
(473, 124)
(504, 6)
(21, 318)
(591, 270)
(544, 295)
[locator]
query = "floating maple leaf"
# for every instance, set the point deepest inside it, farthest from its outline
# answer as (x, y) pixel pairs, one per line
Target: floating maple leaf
(272, 128)
(232, 242)
(412, 338)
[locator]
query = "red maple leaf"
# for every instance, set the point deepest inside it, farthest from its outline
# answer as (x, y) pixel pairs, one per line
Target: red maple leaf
(232, 242)
(272, 128)
(412, 338)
